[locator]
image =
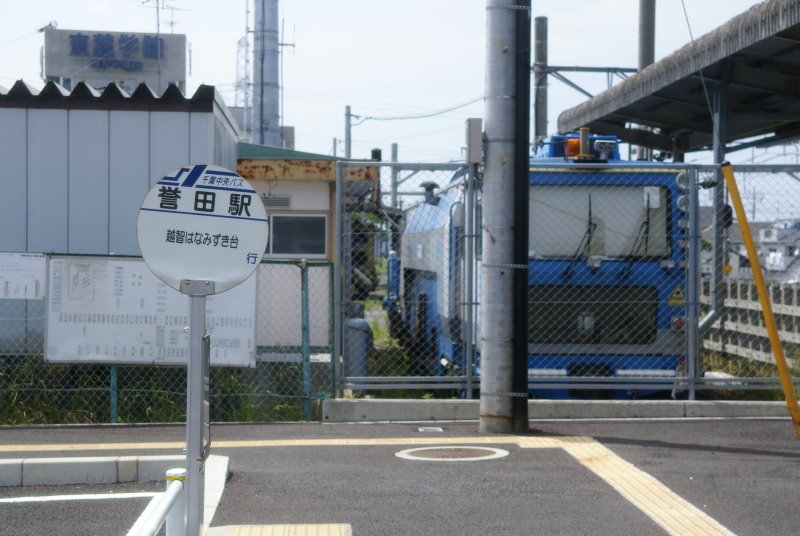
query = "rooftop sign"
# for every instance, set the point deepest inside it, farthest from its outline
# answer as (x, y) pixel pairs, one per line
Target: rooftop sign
(129, 58)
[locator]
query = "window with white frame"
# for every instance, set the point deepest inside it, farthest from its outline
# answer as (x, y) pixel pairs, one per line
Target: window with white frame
(298, 236)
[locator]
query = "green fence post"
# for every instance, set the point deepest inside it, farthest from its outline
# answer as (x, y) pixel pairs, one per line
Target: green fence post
(332, 331)
(306, 335)
(114, 394)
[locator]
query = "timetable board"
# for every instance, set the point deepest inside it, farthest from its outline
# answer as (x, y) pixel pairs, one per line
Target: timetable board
(22, 276)
(114, 310)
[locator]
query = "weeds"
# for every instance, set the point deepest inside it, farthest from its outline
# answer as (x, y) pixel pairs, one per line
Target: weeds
(35, 392)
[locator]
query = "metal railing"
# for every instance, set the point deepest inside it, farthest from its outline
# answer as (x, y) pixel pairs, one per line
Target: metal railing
(169, 508)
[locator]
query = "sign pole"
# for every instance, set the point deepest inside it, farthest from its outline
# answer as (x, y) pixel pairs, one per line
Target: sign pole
(202, 230)
(197, 424)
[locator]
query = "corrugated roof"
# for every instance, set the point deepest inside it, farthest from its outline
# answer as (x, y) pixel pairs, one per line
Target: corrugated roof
(113, 97)
(251, 151)
(756, 55)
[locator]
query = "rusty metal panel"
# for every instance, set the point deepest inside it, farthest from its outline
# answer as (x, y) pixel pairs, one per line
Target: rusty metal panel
(314, 170)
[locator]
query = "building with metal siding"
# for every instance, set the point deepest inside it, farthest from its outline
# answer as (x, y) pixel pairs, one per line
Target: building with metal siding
(78, 164)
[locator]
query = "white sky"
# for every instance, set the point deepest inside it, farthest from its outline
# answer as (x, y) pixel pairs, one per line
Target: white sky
(382, 57)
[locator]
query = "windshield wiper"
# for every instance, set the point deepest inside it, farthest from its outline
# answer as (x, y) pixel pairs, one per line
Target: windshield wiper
(642, 240)
(585, 246)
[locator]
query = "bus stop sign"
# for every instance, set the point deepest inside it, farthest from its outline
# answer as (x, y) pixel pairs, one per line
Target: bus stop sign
(202, 223)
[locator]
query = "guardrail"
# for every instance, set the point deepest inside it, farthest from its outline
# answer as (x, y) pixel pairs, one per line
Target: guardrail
(169, 508)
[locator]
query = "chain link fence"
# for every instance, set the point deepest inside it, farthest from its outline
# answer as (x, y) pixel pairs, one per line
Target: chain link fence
(608, 280)
(736, 351)
(402, 303)
(616, 308)
(291, 373)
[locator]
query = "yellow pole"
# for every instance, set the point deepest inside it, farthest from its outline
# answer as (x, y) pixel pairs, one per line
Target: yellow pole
(763, 297)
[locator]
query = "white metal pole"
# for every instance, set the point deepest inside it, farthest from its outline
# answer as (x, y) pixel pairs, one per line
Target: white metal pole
(176, 519)
(474, 157)
(196, 402)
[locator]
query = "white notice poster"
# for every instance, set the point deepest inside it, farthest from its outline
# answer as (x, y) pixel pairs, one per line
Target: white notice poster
(22, 276)
(114, 310)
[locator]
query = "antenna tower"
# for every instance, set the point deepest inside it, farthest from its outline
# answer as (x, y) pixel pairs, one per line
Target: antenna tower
(243, 83)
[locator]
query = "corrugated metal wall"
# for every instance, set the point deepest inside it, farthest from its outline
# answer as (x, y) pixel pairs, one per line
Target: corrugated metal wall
(73, 180)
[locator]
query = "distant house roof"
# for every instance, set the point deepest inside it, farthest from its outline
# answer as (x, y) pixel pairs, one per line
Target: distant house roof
(252, 151)
(755, 56)
(735, 234)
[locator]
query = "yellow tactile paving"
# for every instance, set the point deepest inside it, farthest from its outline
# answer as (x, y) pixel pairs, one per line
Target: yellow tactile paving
(366, 442)
(86, 447)
(318, 529)
(256, 443)
(675, 515)
(294, 530)
(659, 503)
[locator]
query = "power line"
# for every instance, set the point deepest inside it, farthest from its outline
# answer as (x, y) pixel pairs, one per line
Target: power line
(416, 116)
(418, 135)
(714, 125)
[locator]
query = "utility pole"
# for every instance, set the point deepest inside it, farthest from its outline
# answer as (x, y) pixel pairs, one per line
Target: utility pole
(647, 54)
(522, 116)
(504, 20)
(347, 127)
(540, 80)
(647, 32)
(394, 177)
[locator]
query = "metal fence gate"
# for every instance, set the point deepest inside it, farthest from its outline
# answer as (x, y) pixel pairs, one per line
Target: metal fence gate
(736, 353)
(390, 318)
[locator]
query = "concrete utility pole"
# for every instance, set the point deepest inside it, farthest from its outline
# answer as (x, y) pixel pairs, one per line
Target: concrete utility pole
(504, 18)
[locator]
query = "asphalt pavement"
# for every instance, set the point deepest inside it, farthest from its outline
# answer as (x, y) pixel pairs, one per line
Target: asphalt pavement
(609, 476)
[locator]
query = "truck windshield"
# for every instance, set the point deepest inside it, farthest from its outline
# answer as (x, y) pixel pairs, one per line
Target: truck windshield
(577, 221)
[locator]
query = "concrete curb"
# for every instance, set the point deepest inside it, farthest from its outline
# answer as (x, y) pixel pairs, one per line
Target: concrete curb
(85, 470)
(383, 410)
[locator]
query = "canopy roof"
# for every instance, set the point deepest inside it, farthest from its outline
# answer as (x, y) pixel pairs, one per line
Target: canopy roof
(754, 57)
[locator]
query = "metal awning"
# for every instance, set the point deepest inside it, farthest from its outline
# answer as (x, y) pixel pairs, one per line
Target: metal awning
(753, 59)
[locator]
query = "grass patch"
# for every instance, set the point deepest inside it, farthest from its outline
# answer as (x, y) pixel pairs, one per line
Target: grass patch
(33, 391)
(744, 367)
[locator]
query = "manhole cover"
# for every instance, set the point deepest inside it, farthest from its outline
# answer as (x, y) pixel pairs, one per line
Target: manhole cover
(452, 453)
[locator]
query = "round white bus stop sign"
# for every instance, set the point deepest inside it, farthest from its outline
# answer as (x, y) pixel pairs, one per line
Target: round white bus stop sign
(202, 223)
